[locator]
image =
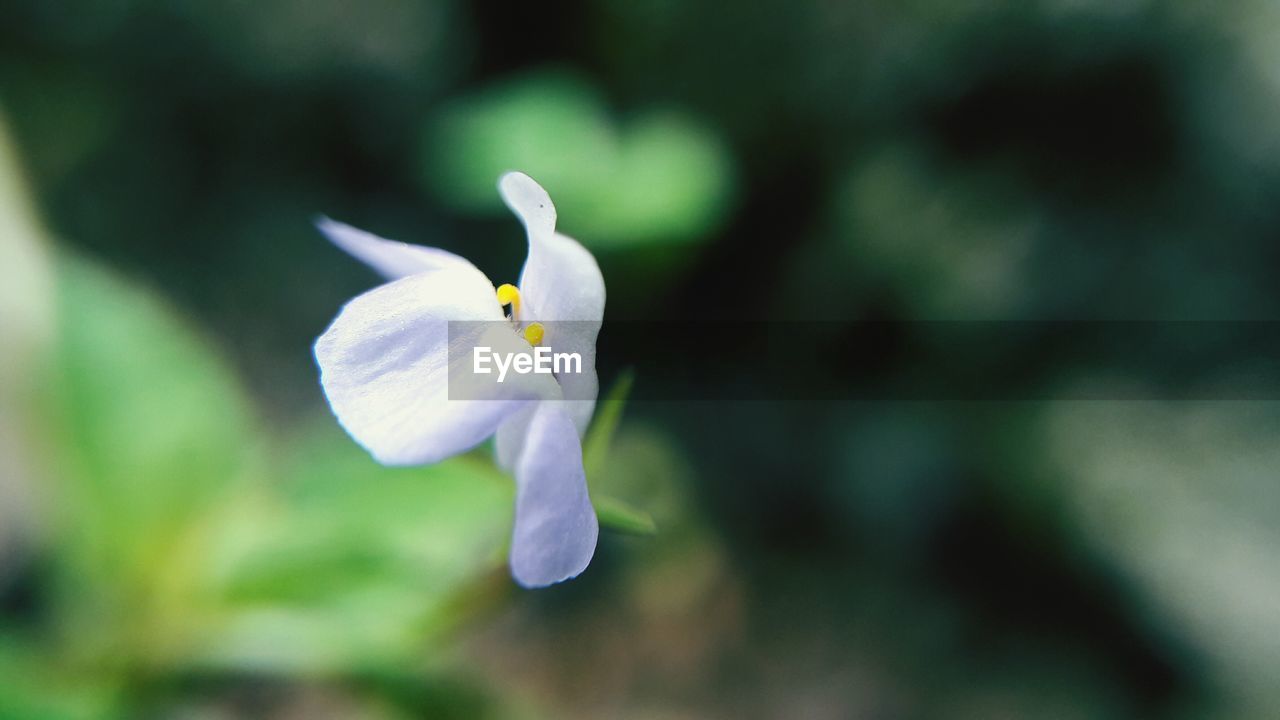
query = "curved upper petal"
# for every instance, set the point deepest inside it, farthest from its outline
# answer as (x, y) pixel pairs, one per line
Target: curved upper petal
(385, 367)
(561, 286)
(556, 528)
(530, 202)
(390, 258)
(560, 280)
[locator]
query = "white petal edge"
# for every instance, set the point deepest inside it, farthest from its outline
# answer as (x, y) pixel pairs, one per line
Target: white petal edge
(384, 365)
(529, 202)
(555, 531)
(389, 258)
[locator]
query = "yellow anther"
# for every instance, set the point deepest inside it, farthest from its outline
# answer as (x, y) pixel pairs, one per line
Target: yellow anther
(533, 333)
(509, 294)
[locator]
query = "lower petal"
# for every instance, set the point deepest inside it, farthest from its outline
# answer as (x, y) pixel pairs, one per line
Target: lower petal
(555, 529)
(509, 442)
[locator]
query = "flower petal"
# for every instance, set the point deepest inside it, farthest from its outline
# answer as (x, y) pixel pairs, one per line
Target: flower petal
(391, 259)
(556, 529)
(561, 281)
(562, 287)
(385, 366)
(509, 442)
(511, 433)
(530, 202)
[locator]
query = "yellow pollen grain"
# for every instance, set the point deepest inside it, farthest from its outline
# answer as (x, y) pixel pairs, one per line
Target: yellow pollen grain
(533, 334)
(508, 294)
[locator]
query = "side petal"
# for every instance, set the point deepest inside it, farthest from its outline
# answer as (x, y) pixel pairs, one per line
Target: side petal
(385, 367)
(389, 258)
(555, 529)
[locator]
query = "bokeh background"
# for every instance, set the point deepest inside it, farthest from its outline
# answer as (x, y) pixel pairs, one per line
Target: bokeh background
(185, 532)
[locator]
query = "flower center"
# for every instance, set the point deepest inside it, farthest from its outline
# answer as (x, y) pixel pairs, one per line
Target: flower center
(509, 294)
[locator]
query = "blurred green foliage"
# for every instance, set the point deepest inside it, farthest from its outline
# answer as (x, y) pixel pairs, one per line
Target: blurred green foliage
(660, 177)
(170, 551)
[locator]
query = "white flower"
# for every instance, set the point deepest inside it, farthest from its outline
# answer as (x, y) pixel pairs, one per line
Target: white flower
(384, 365)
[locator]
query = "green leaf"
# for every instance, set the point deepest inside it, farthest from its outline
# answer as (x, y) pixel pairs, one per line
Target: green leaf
(35, 686)
(617, 515)
(152, 433)
(358, 565)
(552, 126)
(26, 331)
(153, 424)
(612, 513)
(660, 179)
(672, 181)
(595, 446)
